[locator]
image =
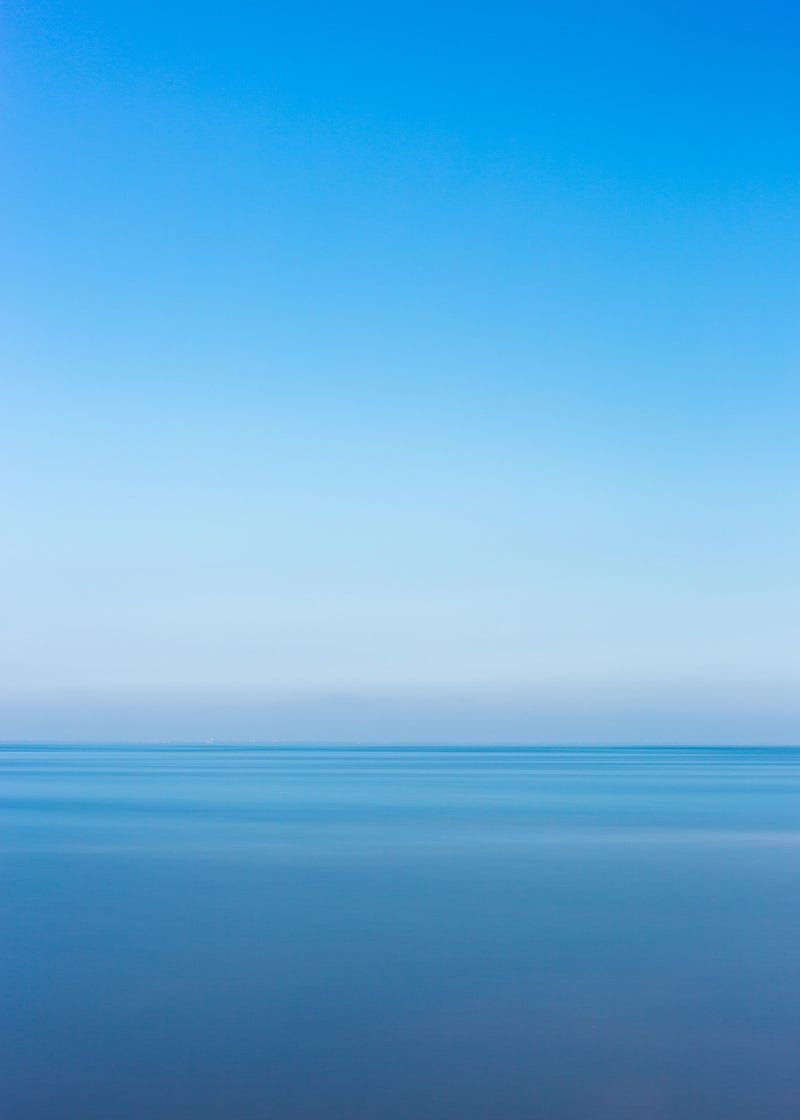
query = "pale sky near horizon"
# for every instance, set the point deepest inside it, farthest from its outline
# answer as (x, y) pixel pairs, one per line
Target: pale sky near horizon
(408, 372)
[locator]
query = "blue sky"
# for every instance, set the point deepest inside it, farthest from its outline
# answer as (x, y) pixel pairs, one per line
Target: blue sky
(409, 372)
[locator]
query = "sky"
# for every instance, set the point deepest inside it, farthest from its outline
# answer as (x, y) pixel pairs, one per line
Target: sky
(400, 372)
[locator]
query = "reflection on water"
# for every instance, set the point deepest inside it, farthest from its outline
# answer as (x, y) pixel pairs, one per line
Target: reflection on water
(399, 934)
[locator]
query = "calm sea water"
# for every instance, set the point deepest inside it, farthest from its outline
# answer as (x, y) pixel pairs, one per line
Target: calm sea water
(335, 934)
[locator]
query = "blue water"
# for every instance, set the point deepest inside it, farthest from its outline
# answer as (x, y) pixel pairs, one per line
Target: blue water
(335, 934)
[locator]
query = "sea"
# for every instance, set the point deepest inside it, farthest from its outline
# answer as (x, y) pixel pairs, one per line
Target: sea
(399, 933)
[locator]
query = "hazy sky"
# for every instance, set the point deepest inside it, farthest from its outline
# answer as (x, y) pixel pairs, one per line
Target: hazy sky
(408, 371)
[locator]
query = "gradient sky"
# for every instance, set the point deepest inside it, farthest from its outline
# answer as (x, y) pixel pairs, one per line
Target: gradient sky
(400, 371)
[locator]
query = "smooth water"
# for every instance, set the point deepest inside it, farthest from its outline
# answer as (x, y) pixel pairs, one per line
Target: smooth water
(399, 934)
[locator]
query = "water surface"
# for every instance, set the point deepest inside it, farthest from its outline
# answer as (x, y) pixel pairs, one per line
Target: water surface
(399, 934)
